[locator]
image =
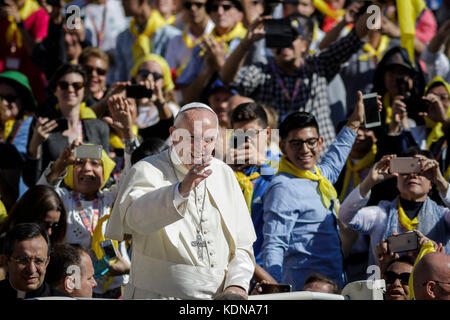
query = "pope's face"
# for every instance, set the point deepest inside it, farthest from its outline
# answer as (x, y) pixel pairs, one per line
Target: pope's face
(194, 137)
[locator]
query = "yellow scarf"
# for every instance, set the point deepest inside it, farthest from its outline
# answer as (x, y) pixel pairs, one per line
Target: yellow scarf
(366, 162)
(371, 51)
(116, 142)
(404, 220)
(141, 46)
(13, 32)
(325, 9)
(387, 107)
(8, 128)
(426, 248)
(246, 185)
(108, 167)
(407, 12)
(239, 31)
(98, 237)
(85, 111)
(326, 189)
(171, 19)
(188, 40)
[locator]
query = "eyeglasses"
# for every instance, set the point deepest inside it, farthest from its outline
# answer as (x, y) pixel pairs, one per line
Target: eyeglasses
(64, 85)
(438, 282)
(9, 98)
(145, 73)
(198, 5)
(297, 144)
(25, 261)
(100, 71)
(226, 7)
(93, 162)
(391, 276)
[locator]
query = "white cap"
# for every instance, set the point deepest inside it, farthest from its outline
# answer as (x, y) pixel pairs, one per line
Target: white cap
(197, 105)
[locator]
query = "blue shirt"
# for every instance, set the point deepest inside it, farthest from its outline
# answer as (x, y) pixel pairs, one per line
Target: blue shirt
(301, 236)
(260, 186)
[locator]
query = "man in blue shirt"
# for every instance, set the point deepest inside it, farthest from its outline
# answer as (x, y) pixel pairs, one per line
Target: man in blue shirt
(301, 232)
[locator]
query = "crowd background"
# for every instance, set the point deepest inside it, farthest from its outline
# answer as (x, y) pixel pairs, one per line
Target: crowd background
(64, 79)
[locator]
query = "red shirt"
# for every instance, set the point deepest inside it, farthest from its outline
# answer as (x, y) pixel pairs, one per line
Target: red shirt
(36, 25)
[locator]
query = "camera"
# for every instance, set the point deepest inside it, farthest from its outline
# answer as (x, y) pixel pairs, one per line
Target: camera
(280, 33)
(414, 103)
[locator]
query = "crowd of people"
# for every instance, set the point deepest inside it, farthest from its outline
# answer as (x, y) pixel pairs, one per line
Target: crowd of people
(201, 149)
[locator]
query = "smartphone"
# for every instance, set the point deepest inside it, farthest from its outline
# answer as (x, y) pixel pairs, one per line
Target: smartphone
(408, 241)
(372, 116)
(62, 125)
(278, 33)
(275, 288)
(138, 91)
(108, 249)
(405, 165)
(88, 151)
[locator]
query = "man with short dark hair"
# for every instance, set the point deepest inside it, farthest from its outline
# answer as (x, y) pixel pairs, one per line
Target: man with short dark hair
(69, 261)
(301, 232)
(292, 81)
(26, 257)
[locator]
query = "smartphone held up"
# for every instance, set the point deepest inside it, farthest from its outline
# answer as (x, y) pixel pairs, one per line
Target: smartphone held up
(372, 116)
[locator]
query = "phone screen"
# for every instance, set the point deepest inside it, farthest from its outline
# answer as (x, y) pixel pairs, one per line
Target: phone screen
(403, 242)
(275, 288)
(138, 91)
(371, 112)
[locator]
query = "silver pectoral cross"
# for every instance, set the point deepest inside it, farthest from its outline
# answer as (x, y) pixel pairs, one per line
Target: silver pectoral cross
(199, 243)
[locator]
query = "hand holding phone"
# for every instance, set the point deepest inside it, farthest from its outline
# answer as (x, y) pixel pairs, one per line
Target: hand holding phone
(108, 249)
(405, 165)
(372, 116)
(88, 151)
(403, 242)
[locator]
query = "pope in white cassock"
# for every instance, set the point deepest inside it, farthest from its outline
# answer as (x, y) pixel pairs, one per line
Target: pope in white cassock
(191, 229)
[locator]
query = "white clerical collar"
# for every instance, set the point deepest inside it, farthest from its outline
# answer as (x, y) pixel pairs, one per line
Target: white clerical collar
(20, 294)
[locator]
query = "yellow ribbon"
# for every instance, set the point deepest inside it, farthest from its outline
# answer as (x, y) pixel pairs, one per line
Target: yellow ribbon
(239, 31)
(141, 46)
(116, 142)
(246, 186)
(404, 220)
(98, 237)
(3, 212)
(326, 189)
(326, 10)
(366, 162)
(426, 248)
(407, 12)
(371, 51)
(108, 167)
(167, 75)
(13, 32)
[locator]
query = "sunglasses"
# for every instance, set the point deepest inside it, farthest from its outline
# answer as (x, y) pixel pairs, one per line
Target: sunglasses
(391, 276)
(145, 73)
(100, 71)
(198, 5)
(64, 85)
(226, 7)
(52, 226)
(9, 98)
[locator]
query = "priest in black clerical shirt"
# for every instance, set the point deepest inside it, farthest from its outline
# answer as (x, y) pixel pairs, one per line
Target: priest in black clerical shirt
(26, 256)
